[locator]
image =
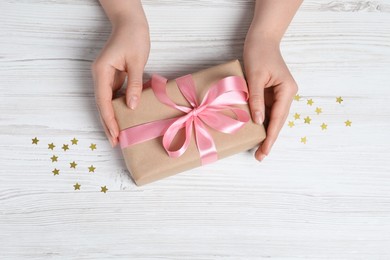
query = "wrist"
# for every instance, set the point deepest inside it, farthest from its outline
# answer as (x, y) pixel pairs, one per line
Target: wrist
(124, 13)
(262, 38)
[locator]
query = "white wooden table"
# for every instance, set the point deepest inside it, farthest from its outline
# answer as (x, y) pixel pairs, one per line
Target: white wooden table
(328, 198)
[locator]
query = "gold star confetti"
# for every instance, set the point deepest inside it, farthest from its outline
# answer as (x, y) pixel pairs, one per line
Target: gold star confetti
(35, 140)
(297, 97)
(307, 120)
(103, 189)
(303, 139)
(291, 124)
(73, 165)
(54, 158)
(74, 141)
(324, 126)
(348, 123)
(297, 116)
(339, 100)
(77, 186)
(318, 110)
(92, 147)
(65, 147)
(91, 168)
(310, 102)
(56, 171)
(51, 146)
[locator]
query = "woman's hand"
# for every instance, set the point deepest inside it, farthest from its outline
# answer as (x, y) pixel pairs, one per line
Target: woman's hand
(125, 54)
(271, 87)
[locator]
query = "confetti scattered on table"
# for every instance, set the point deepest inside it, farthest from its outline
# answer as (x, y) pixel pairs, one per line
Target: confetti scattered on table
(73, 165)
(91, 168)
(74, 141)
(68, 161)
(77, 186)
(35, 140)
(92, 147)
(316, 117)
(54, 158)
(51, 146)
(103, 189)
(307, 120)
(65, 147)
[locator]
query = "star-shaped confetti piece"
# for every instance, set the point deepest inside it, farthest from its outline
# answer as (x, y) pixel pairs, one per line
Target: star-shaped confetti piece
(318, 110)
(92, 147)
(51, 146)
(297, 116)
(73, 165)
(348, 123)
(339, 100)
(291, 124)
(303, 139)
(65, 147)
(77, 186)
(310, 102)
(297, 97)
(324, 126)
(74, 141)
(55, 171)
(307, 120)
(91, 168)
(54, 158)
(103, 189)
(35, 140)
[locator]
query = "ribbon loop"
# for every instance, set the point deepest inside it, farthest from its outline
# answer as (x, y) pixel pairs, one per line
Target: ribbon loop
(221, 96)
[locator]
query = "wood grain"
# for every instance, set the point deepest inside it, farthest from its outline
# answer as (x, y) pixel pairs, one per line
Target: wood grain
(327, 199)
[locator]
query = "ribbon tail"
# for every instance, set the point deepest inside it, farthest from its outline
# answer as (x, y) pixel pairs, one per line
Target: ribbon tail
(205, 143)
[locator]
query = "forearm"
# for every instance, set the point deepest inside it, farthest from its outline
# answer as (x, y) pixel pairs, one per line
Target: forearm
(121, 12)
(272, 17)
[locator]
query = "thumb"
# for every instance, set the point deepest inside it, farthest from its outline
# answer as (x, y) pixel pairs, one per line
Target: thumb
(134, 86)
(257, 84)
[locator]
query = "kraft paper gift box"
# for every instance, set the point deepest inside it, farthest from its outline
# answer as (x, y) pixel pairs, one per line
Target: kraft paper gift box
(148, 161)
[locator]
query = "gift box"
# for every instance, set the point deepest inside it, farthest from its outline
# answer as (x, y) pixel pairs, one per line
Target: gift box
(187, 122)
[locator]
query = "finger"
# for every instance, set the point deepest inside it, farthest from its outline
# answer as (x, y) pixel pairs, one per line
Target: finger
(120, 77)
(134, 86)
(104, 80)
(280, 109)
(257, 83)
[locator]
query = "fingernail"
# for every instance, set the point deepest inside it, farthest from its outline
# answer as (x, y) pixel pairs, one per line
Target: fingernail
(259, 118)
(262, 157)
(133, 102)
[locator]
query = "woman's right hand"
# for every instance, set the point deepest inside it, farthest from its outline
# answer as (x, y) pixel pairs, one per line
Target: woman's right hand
(125, 54)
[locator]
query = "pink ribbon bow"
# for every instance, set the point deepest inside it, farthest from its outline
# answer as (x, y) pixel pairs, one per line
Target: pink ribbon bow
(223, 95)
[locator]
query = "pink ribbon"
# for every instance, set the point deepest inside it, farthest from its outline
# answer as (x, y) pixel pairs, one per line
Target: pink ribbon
(221, 96)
